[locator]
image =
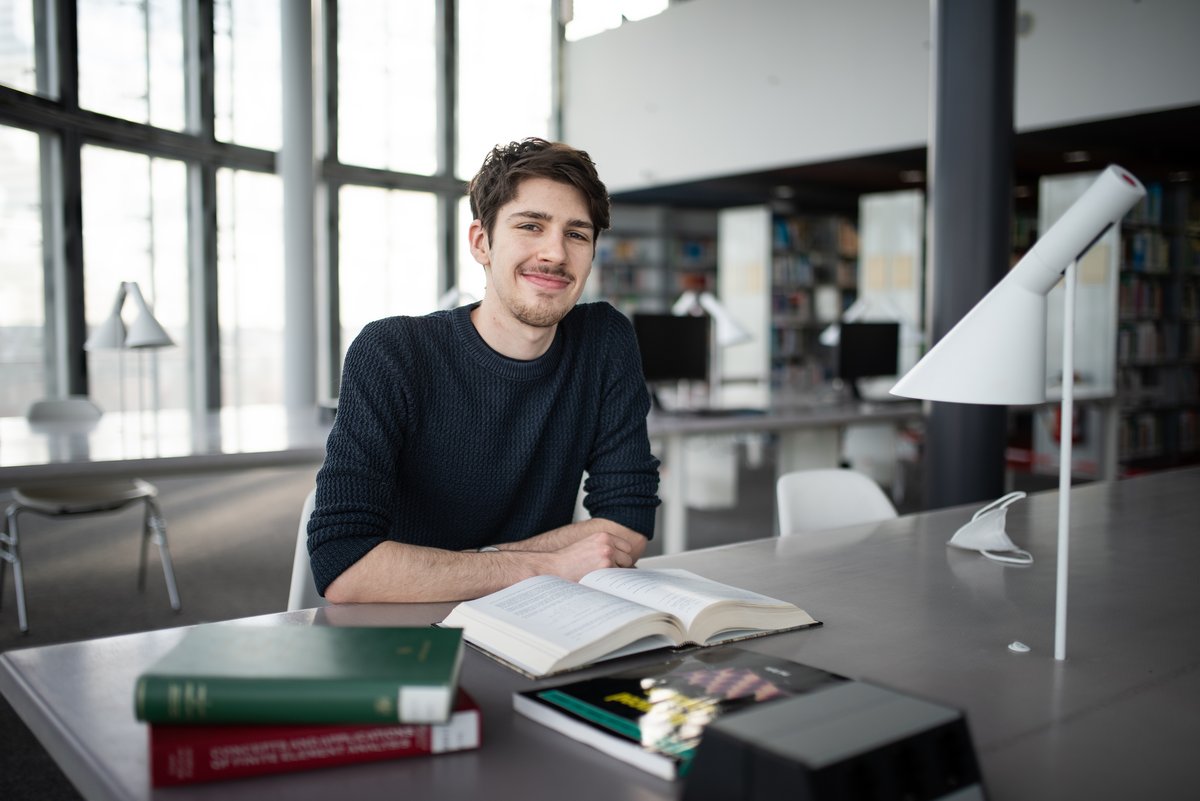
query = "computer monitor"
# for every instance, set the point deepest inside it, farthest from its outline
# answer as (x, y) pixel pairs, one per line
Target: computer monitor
(867, 350)
(673, 348)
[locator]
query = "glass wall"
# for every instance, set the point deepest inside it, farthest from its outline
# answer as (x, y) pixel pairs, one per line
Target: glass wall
(387, 245)
(250, 280)
(504, 87)
(22, 307)
(141, 239)
(190, 207)
(387, 85)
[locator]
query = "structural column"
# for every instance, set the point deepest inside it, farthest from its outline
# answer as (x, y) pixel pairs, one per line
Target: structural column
(297, 168)
(970, 198)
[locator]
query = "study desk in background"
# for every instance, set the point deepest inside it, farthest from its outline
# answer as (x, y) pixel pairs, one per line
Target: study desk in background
(168, 442)
(1116, 720)
(809, 437)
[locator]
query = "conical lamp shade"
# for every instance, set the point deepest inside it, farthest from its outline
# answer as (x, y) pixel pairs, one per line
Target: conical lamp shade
(995, 355)
(145, 332)
(729, 330)
(110, 334)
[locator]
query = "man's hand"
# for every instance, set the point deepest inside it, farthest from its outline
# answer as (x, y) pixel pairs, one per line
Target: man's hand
(594, 552)
(565, 536)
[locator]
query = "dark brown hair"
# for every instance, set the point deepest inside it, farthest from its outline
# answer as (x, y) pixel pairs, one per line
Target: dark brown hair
(506, 166)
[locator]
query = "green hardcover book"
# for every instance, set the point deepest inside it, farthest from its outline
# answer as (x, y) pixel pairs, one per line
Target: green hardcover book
(237, 673)
(654, 716)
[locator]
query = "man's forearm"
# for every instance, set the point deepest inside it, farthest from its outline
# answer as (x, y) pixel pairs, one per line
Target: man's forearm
(563, 536)
(394, 572)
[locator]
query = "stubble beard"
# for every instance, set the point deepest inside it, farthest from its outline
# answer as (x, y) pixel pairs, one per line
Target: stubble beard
(540, 314)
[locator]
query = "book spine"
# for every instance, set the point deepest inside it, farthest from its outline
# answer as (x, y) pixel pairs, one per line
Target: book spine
(178, 699)
(188, 754)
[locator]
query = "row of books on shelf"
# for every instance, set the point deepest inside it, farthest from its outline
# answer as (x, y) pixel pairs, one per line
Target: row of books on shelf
(233, 700)
(1149, 434)
(1151, 341)
(1149, 210)
(816, 233)
(1146, 251)
(1159, 387)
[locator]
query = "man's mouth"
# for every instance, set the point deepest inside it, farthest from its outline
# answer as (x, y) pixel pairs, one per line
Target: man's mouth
(547, 281)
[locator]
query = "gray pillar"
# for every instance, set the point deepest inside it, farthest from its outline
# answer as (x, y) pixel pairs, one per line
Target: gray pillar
(970, 187)
(297, 168)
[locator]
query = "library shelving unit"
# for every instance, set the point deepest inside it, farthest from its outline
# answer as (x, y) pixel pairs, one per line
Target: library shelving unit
(784, 278)
(652, 254)
(1158, 341)
(814, 277)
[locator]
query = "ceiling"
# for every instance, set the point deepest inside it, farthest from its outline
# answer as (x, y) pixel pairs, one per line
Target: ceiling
(1155, 147)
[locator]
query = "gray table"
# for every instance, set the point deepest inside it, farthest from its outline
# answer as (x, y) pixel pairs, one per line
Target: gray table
(1119, 719)
(809, 437)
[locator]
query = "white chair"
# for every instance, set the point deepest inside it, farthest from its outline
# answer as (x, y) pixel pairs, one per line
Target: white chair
(811, 500)
(303, 593)
(72, 417)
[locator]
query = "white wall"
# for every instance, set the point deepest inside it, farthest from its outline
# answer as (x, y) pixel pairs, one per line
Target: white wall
(718, 87)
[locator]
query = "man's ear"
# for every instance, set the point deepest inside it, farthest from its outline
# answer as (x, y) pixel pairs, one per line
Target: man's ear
(477, 238)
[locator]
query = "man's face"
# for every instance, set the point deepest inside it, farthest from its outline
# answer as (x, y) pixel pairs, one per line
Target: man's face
(539, 255)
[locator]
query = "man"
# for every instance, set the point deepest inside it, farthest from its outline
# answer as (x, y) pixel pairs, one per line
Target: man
(472, 428)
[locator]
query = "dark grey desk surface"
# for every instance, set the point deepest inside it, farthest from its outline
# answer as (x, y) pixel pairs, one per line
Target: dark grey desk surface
(1118, 719)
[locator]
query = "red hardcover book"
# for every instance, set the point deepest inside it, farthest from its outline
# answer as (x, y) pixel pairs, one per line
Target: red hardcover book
(185, 754)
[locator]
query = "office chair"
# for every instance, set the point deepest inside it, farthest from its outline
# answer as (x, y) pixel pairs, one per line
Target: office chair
(303, 592)
(811, 500)
(74, 416)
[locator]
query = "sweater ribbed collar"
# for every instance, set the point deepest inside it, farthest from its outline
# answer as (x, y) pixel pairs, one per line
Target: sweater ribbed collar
(503, 366)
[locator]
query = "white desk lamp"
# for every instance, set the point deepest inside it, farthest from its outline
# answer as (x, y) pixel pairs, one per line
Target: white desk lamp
(143, 334)
(996, 354)
(728, 330)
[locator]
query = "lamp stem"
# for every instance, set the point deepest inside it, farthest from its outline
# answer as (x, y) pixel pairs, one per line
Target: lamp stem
(1066, 431)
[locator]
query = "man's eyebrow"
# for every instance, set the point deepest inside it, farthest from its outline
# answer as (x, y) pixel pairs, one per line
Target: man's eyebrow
(531, 214)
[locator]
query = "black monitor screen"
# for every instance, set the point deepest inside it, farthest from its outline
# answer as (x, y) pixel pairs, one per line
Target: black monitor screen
(868, 349)
(673, 348)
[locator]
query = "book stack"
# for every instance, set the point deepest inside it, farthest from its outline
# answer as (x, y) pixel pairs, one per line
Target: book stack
(232, 701)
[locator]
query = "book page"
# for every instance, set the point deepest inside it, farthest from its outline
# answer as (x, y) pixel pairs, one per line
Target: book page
(565, 613)
(679, 592)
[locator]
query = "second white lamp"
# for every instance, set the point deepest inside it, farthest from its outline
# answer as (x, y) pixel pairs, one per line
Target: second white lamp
(996, 354)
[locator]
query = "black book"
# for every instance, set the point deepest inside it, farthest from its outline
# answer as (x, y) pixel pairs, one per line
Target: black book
(653, 717)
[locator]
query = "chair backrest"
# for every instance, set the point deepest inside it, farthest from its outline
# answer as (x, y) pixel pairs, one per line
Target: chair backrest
(74, 409)
(811, 500)
(303, 592)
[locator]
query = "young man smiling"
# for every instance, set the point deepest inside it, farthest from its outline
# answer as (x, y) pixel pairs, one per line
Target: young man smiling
(471, 429)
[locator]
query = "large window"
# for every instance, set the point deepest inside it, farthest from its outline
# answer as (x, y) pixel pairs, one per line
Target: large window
(246, 73)
(126, 162)
(250, 278)
(141, 238)
(387, 85)
(22, 309)
(387, 246)
(504, 86)
(131, 60)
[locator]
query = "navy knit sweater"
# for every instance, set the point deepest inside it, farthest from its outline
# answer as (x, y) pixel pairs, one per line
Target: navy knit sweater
(440, 441)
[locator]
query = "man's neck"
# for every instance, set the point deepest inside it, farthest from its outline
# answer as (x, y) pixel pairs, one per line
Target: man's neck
(510, 337)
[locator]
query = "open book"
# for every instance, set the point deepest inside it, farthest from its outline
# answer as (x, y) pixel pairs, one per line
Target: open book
(546, 625)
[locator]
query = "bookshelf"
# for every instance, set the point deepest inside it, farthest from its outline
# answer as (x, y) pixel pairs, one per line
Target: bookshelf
(1158, 340)
(784, 278)
(1137, 338)
(651, 255)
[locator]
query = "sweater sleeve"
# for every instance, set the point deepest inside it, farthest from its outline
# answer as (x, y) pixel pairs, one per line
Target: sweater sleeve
(622, 482)
(352, 513)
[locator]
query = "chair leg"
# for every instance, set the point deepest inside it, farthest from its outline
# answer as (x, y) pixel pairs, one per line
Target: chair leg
(156, 530)
(11, 552)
